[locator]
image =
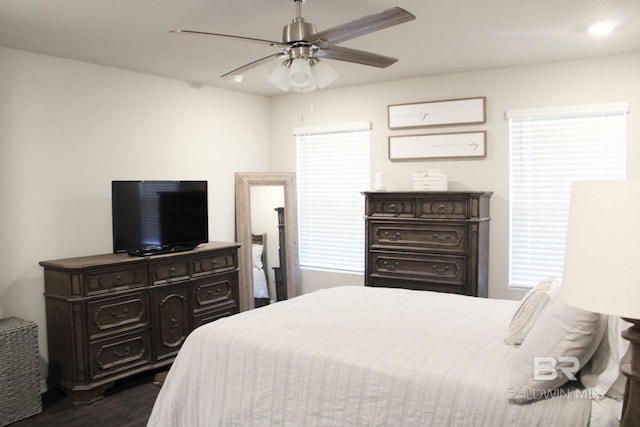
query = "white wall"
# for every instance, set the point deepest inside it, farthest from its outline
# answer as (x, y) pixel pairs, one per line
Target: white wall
(600, 80)
(68, 128)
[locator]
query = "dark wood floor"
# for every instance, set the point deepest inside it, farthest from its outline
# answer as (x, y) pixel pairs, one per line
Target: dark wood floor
(127, 404)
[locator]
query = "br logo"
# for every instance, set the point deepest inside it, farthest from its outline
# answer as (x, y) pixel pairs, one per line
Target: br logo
(550, 368)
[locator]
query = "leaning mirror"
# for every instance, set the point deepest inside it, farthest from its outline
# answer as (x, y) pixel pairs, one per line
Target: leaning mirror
(284, 211)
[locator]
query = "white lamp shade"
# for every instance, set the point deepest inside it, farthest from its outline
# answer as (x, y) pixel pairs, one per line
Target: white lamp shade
(300, 73)
(308, 88)
(279, 77)
(324, 74)
(602, 256)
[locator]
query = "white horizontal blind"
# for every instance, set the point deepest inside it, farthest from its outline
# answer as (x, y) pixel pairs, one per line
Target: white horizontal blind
(333, 168)
(549, 150)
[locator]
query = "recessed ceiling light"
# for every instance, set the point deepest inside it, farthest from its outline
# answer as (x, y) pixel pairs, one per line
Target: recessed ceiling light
(236, 78)
(602, 28)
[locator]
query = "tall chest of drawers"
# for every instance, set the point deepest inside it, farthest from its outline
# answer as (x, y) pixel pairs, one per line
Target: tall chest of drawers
(428, 240)
(111, 316)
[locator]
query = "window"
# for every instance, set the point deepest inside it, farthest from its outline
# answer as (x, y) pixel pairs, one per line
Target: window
(333, 168)
(551, 148)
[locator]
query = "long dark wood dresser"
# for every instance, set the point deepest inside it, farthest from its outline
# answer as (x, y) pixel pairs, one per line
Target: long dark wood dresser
(428, 240)
(111, 316)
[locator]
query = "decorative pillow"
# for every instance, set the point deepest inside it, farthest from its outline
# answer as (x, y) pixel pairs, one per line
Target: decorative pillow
(562, 341)
(529, 309)
(256, 255)
(602, 373)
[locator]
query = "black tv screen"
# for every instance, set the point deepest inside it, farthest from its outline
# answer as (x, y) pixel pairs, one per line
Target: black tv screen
(151, 217)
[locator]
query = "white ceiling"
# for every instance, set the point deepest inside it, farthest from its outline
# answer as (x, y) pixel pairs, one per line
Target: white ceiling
(448, 36)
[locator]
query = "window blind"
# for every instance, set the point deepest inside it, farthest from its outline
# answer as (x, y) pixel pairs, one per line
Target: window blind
(333, 168)
(549, 149)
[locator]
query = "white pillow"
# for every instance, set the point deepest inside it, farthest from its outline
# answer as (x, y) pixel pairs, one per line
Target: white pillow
(529, 309)
(602, 373)
(256, 255)
(561, 332)
(260, 287)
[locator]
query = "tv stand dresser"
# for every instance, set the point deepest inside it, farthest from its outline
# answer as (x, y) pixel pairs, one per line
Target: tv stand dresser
(112, 316)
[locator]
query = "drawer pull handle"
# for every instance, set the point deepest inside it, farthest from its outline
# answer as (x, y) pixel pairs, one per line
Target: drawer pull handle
(390, 266)
(119, 280)
(173, 271)
(123, 353)
(441, 238)
(394, 209)
(213, 293)
(440, 268)
(121, 315)
(392, 236)
(174, 323)
(441, 208)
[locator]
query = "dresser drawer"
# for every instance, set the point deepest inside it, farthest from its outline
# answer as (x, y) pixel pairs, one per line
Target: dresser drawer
(217, 263)
(212, 315)
(170, 271)
(214, 291)
(444, 207)
(109, 315)
(450, 238)
(120, 353)
(102, 281)
(445, 269)
(418, 285)
(392, 207)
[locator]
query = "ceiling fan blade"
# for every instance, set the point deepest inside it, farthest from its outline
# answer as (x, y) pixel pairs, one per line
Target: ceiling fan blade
(361, 26)
(253, 64)
(248, 39)
(346, 54)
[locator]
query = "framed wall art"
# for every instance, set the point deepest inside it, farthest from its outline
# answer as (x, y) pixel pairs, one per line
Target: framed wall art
(438, 145)
(437, 113)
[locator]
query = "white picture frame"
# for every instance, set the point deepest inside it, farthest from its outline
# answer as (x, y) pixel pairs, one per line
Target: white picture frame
(437, 113)
(438, 145)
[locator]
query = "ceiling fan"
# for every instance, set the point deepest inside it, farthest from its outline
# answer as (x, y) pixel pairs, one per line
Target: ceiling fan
(302, 46)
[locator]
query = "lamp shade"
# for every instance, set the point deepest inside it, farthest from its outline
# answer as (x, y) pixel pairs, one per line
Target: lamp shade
(279, 77)
(324, 74)
(300, 73)
(602, 259)
(308, 88)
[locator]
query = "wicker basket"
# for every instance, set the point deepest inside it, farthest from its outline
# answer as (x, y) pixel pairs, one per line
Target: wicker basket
(19, 370)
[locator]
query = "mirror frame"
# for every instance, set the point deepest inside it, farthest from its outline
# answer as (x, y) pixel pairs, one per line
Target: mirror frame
(244, 182)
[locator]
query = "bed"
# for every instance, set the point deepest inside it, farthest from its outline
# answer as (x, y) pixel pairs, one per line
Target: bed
(361, 356)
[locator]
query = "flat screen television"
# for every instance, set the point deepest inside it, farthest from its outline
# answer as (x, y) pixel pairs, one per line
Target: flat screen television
(153, 217)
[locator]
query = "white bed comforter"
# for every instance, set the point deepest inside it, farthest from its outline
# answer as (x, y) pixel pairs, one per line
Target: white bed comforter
(355, 356)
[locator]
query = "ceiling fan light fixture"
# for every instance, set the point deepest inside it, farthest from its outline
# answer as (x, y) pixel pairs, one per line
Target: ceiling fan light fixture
(323, 74)
(301, 43)
(279, 77)
(300, 73)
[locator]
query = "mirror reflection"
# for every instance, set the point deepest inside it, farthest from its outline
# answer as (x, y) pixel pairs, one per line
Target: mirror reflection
(267, 208)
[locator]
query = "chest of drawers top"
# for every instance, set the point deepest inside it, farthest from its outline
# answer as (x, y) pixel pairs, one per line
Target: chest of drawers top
(428, 205)
(111, 273)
